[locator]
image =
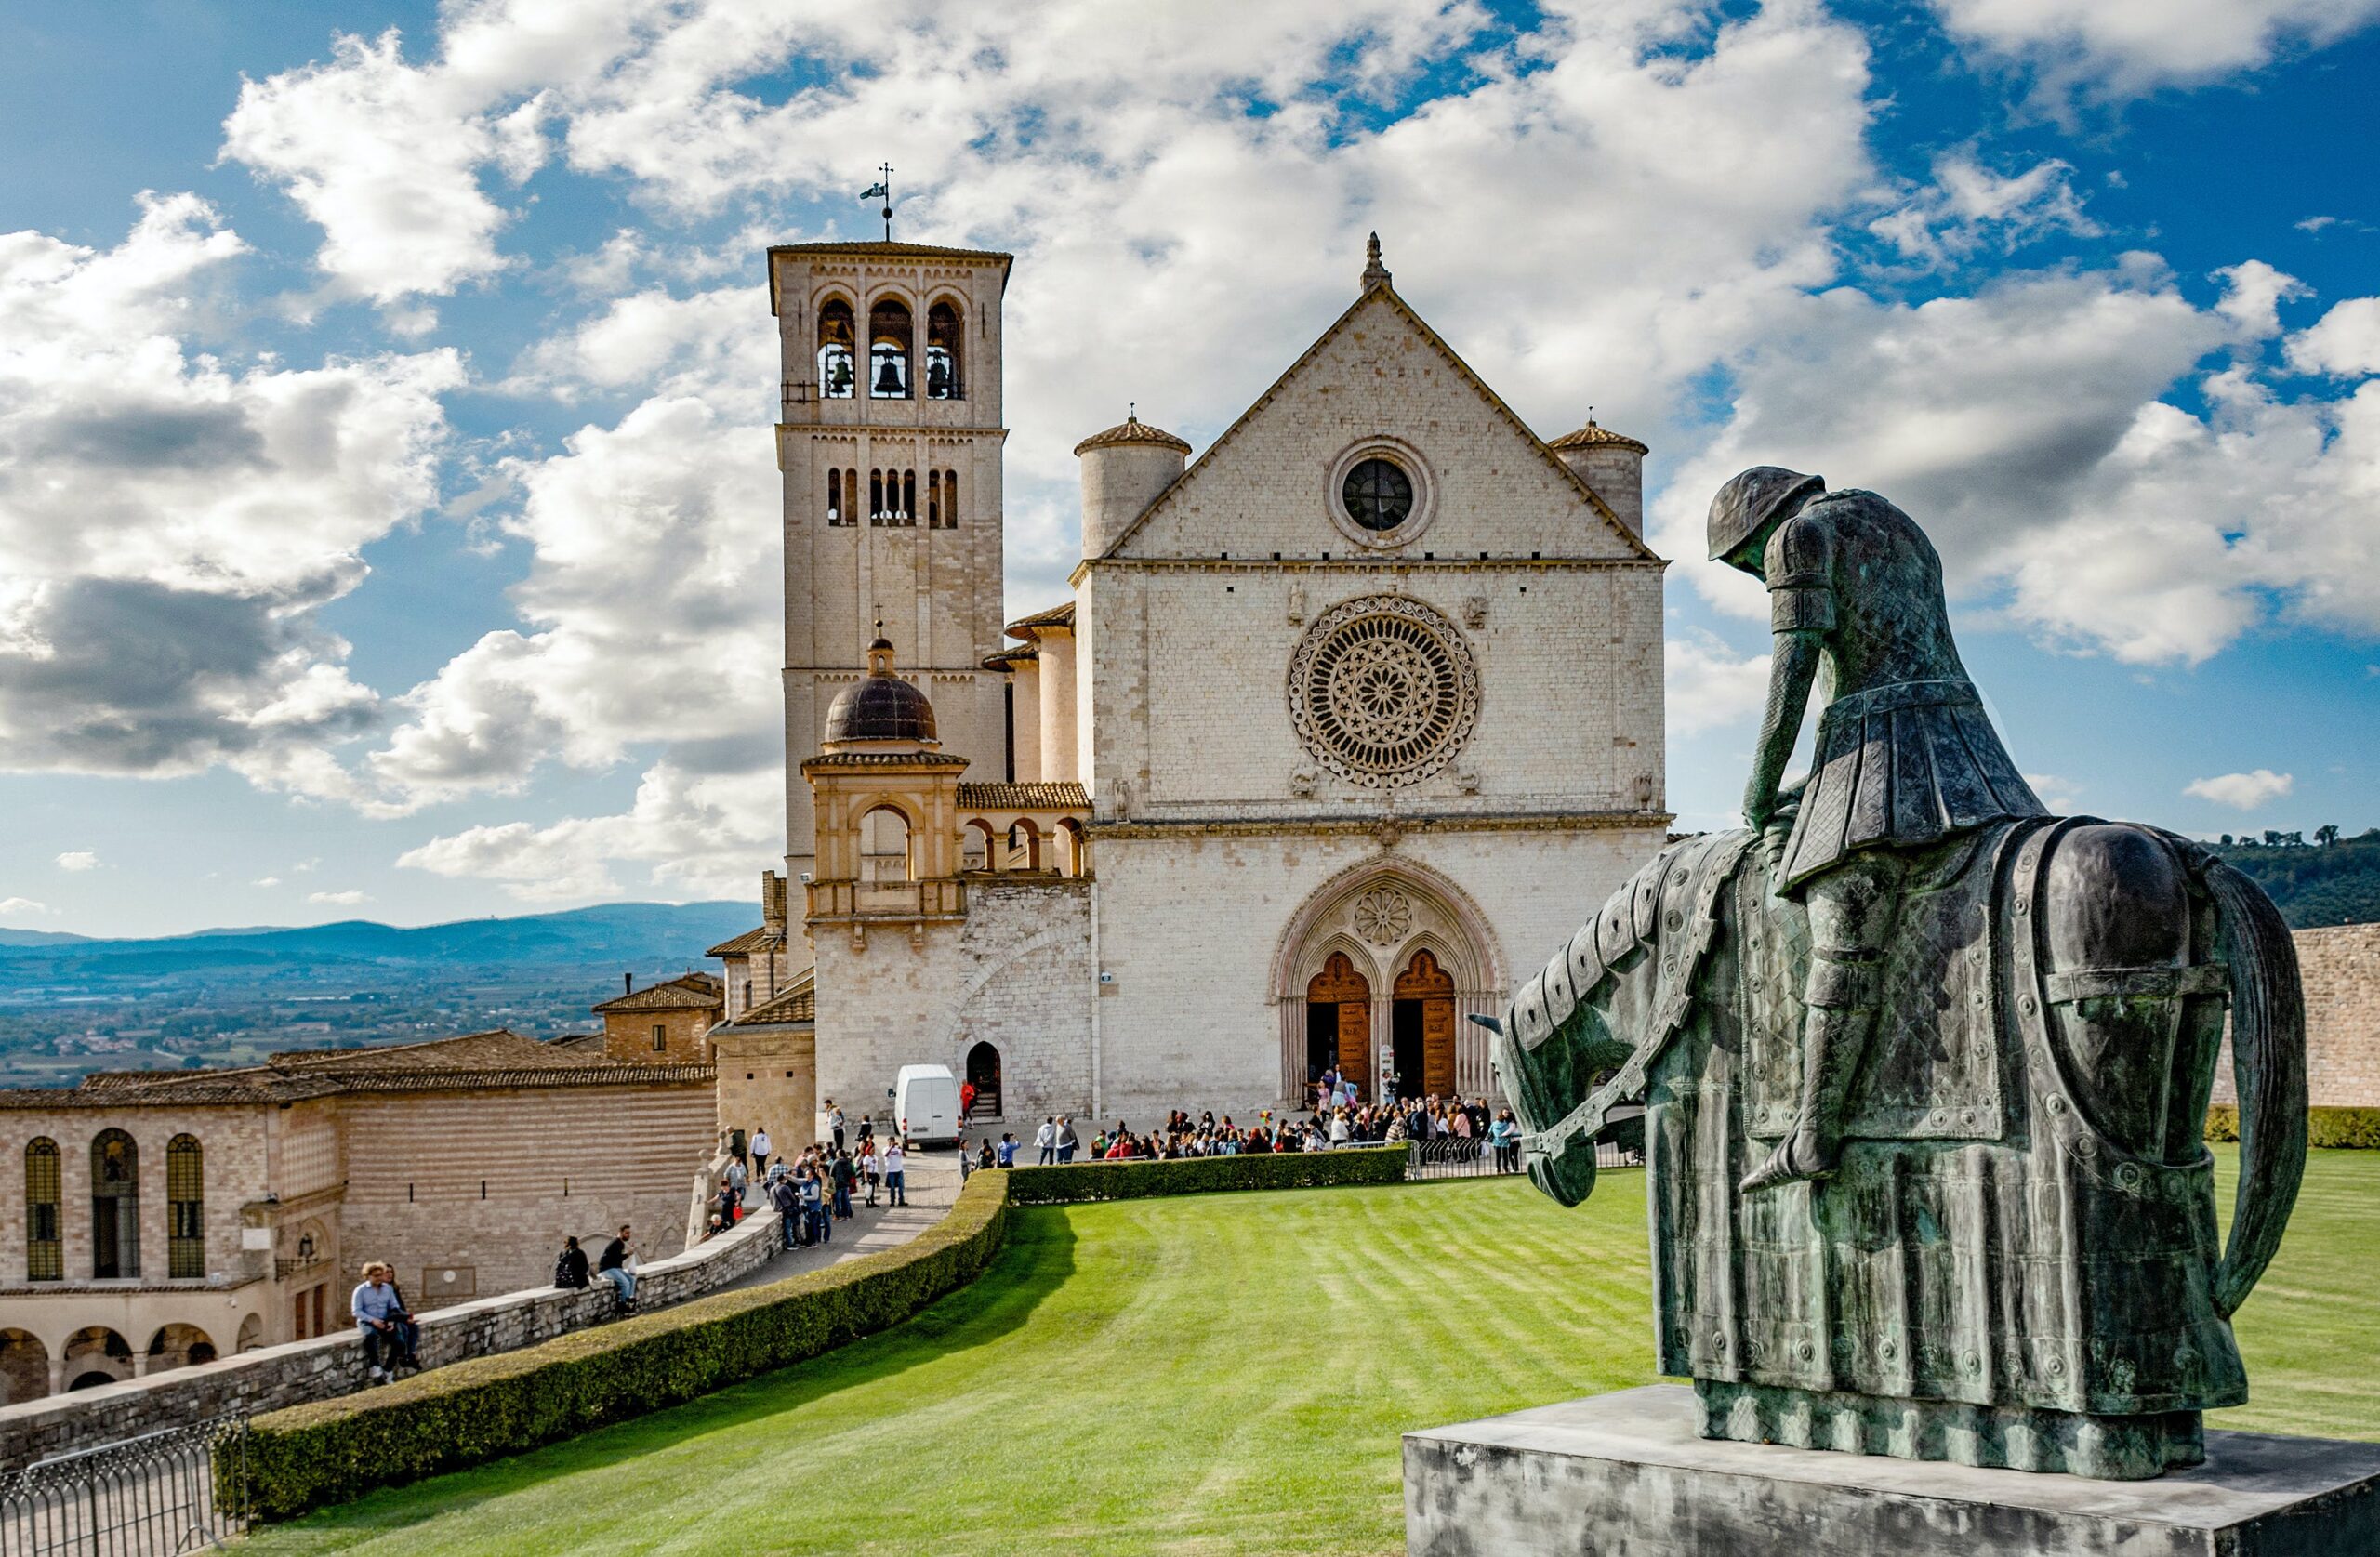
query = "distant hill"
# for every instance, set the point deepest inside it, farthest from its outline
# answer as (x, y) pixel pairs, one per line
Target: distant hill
(36, 937)
(641, 936)
(2316, 883)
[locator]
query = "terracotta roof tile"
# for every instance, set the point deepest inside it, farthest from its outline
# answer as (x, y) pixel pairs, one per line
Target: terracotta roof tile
(1590, 436)
(1056, 616)
(1056, 795)
(749, 944)
(688, 992)
(798, 1004)
(1131, 430)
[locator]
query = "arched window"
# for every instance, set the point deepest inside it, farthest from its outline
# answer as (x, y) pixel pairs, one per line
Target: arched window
(942, 353)
(889, 342)
(115, 1206)
(875, 497)
(835, 509)
(933, 499)
(45, 1244)
(950, 499)
(908, 497)
(185, 1209)
(884, 846)
(836, 377)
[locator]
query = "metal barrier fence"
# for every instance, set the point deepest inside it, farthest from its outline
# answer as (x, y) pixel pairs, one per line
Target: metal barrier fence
(184, 1489)
(1454, 1156)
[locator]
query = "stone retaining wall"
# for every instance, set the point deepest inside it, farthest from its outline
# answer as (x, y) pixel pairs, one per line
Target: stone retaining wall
(2340, 965)
(273, 1376)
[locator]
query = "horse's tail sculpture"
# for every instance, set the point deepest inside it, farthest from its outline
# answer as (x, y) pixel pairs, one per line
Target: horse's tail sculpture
(2268, 1067)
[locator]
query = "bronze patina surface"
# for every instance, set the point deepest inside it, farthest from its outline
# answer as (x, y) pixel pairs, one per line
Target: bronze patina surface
(1925, 1069)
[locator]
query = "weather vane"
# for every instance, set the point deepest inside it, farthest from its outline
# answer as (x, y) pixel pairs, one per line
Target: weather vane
(883, 189)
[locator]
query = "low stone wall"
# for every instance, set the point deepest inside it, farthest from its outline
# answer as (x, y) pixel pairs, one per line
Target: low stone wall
(2341, 967)
(273, 1377)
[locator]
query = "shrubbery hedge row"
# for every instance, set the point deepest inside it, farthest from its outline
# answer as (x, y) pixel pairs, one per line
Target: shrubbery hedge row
(307, 1457)
(1067, 1183)
(2356, 1128)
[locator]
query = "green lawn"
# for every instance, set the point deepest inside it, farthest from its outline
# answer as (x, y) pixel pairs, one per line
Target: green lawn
(1221, 1374)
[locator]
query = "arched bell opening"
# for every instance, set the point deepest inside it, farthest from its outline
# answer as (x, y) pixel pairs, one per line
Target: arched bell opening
(944, 341)
(889, 341)
(837, 376)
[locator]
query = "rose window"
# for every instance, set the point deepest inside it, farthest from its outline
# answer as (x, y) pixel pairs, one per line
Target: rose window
(1383, 915)
(1383, 691)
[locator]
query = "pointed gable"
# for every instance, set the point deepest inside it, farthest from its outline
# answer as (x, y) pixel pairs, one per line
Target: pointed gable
(1378, 371)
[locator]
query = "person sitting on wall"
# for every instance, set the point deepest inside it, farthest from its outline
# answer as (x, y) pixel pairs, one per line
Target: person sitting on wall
(380, 1312)
(618, 1267)
(570, 1266)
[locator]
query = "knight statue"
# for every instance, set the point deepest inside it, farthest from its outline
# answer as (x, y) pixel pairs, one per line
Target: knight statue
(1905, 759)
(1926, 1070)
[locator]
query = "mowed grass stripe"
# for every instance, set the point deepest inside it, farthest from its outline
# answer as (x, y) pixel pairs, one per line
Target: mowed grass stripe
(1224, 1374)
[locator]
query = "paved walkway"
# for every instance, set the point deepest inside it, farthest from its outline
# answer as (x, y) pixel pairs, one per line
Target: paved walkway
(932, 1187)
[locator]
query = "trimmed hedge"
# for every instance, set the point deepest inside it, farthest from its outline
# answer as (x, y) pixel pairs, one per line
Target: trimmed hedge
(2357, 1129)
(307, 1457)
(1069, 1184)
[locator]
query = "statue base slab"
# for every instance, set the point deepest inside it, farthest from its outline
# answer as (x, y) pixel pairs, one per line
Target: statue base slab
(1627, 1472)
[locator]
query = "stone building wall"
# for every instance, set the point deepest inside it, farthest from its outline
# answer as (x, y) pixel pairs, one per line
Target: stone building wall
(768, 1078)
(2340, 967)
(1015, 973)
(1207, 990)
(485, 1184)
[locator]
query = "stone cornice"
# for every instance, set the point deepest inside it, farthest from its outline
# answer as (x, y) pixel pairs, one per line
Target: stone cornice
(1364, 565)
(1389, 829)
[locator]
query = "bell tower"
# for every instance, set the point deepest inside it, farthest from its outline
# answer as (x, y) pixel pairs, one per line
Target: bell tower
(889, 442)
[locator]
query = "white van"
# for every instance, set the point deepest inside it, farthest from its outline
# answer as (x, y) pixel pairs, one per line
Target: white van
(925, 1103)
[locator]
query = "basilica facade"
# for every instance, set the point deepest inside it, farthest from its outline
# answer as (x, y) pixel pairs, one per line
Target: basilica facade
(1346, 721)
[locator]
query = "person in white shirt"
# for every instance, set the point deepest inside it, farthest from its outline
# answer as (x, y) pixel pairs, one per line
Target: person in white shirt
(759, 1149)
(1046, 1137)
(835, 1123)
(896, 1181)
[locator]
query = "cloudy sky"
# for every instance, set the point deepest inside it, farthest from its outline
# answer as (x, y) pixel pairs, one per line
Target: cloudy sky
(387, 510)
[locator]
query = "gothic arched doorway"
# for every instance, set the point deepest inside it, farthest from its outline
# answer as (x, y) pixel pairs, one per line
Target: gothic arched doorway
(1338, 1023)
(1421, 1019)
(983, 1074)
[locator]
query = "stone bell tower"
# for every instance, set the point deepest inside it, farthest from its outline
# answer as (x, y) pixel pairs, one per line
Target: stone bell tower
(890, 445)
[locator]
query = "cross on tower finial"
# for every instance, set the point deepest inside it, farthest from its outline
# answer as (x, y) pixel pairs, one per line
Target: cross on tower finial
(1375, 273)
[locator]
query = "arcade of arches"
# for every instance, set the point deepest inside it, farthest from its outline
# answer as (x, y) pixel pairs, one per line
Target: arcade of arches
(1377, 977)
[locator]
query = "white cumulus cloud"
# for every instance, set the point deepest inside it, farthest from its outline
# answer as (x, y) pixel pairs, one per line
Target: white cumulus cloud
(79, 859)
(2125, 47)
(21, 908)
(343, 898)
(2242, 791)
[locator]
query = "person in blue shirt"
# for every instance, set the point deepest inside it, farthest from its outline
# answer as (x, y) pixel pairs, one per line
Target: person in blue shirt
(1008, 1151)
(379, 1311)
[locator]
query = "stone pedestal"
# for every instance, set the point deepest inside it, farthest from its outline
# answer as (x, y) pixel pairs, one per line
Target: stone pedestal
(1625, 1475)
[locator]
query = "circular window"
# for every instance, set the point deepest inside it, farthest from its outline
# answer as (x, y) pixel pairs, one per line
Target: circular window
(1382, 691)
(1379, 495)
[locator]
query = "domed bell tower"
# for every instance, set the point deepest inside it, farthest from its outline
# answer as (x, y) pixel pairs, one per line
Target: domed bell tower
(889, 442)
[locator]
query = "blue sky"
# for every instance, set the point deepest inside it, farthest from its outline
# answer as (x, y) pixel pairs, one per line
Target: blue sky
(387, 521)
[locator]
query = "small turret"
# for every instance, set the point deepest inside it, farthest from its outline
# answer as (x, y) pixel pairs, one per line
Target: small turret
(1123, 469)
(1611, 463)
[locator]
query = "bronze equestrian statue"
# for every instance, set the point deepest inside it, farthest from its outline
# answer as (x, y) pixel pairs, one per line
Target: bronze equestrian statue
(1925, 1069)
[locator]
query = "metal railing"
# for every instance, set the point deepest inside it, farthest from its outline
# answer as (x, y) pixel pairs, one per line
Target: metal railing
(1454, 1156)
(184, 1489)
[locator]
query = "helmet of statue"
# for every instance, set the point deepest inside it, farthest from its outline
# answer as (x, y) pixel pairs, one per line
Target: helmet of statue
(1751, 499)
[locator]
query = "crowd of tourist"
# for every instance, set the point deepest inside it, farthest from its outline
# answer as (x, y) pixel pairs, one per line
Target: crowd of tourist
(1345, 1122)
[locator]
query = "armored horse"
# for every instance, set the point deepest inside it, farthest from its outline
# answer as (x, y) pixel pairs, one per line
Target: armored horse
(2015, 1261)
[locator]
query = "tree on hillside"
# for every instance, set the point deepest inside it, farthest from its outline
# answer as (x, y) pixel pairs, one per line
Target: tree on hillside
(2327, 834)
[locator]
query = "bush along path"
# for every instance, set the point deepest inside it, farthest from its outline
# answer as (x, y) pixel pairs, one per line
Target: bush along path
(310, 1457)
